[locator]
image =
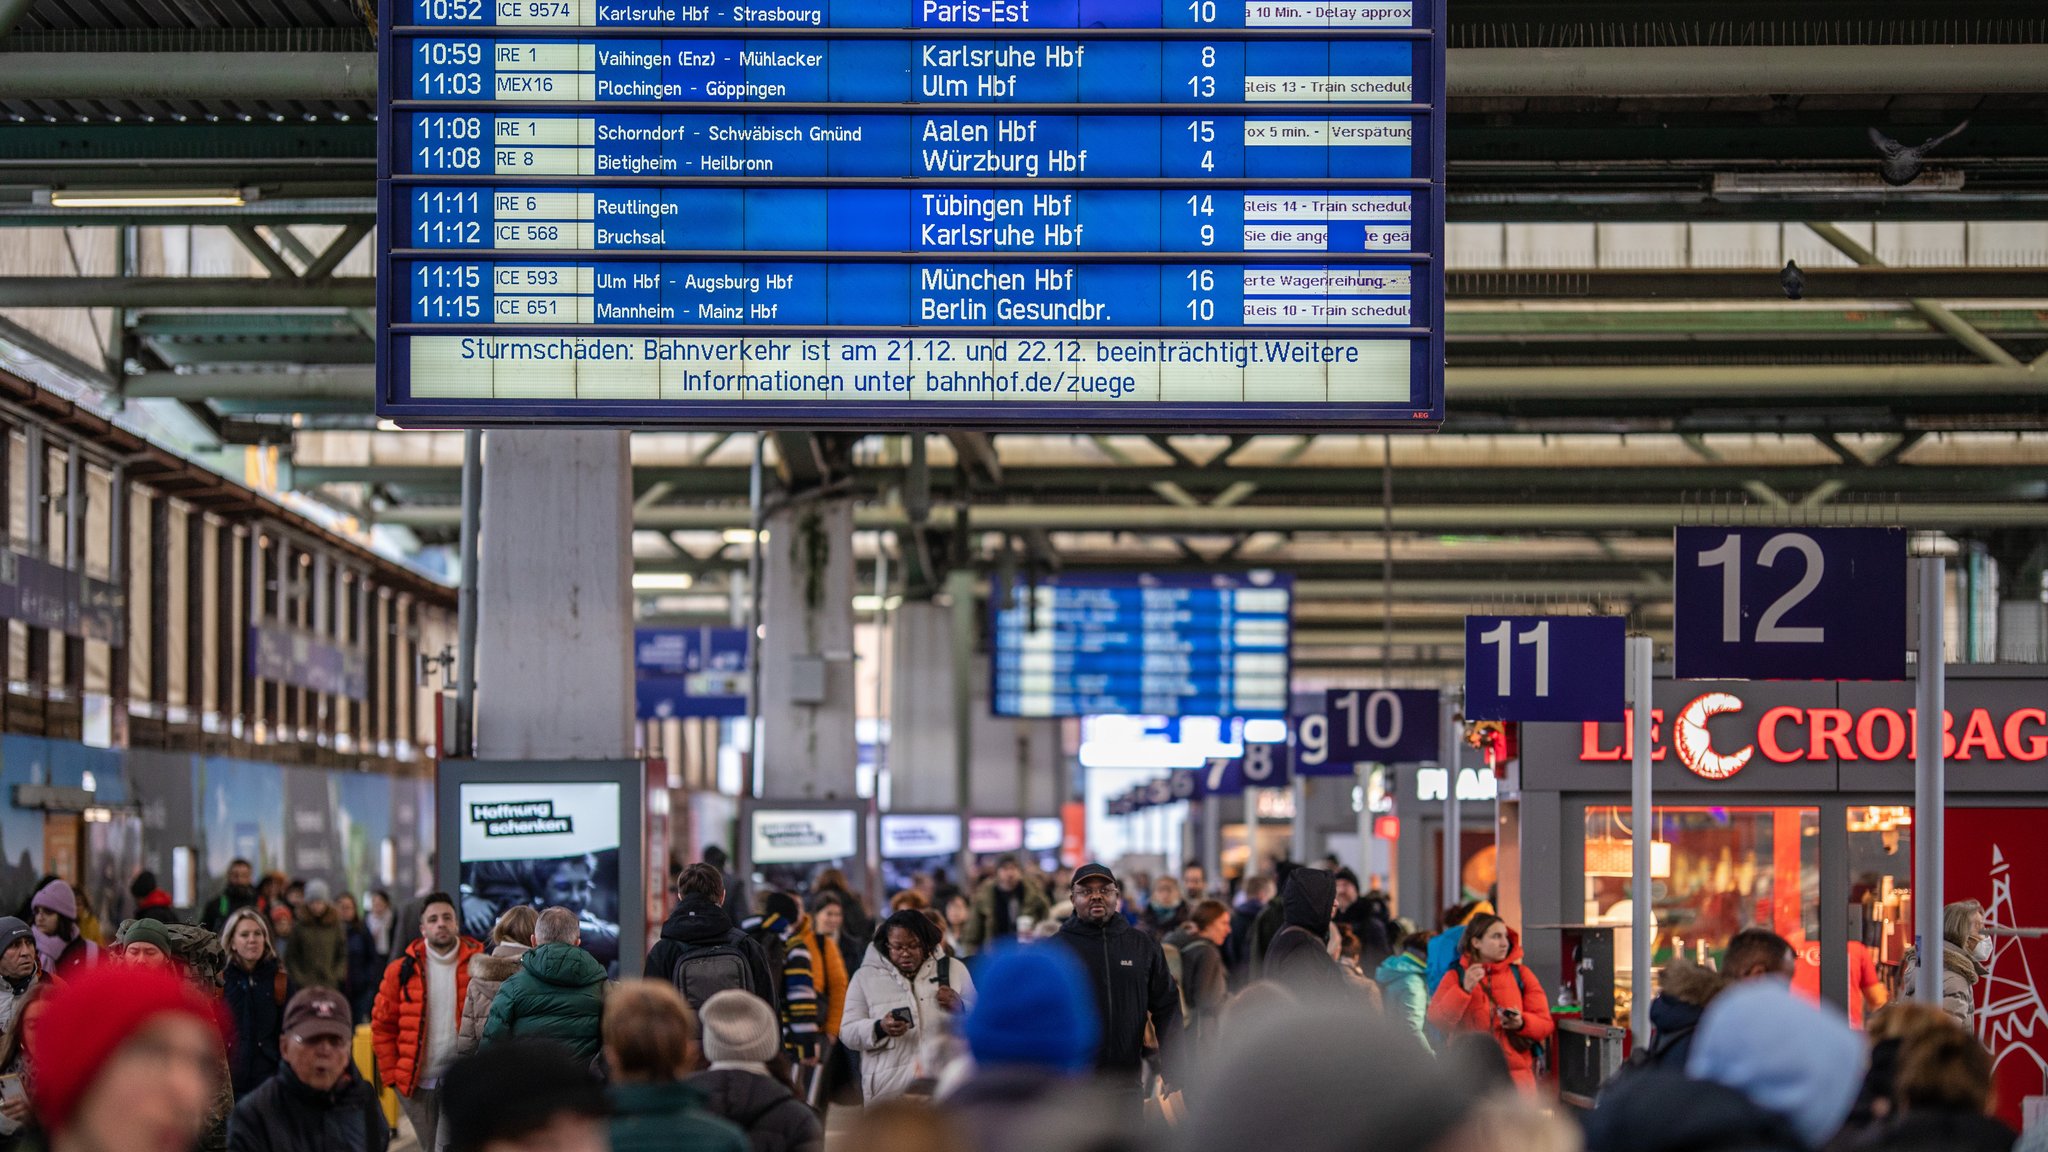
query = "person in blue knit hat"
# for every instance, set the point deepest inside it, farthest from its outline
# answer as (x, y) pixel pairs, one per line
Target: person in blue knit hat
(1033, 1036)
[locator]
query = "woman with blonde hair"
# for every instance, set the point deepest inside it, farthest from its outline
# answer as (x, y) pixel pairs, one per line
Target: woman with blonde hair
(511, 938)
(650, 1045)
(255, 989)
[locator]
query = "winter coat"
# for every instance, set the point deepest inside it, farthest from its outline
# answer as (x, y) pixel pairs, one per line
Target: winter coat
(317, 953)
(764, 1108)
(214, 916)
(10, 1000)
(1127, 971)
(557, 994)
(63, 957)
(668, 1117)
(698, 923)
(1204, 984)
(828, 973)
(1265, 926)
(889, 1065)
(1237, 949)
(398, 1022)
(1404, 994)
(284, 1115)
(1299, 955)
(363, 969)
(801, 1007)
(1939, 1131)
(996, 1107)
(487, 971)
(1508, 984)
(1161, 921)
(982, 919)
(255, 1000)
(1684, 990)
(1663, 1111)
(1959, 975)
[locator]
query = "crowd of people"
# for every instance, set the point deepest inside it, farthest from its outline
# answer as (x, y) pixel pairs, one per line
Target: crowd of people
(1024, 1012)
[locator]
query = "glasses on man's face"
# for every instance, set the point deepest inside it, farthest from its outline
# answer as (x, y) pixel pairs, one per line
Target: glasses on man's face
(322, 1043)
(1095, 890)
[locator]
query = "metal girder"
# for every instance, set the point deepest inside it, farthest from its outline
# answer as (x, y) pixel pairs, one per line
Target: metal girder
(1935, 312)
(309, 384)
(337, 250)
(311, 76)
(183, 292)
(1210, 521)
(1572, 474)
(253, 242)
(1760, 70)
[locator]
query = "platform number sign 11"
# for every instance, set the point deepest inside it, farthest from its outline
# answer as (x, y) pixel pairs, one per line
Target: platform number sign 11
(1539, 668)
(1789, 603)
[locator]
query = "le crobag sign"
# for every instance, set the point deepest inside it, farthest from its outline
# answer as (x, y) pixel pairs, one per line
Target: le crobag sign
(1800, 737)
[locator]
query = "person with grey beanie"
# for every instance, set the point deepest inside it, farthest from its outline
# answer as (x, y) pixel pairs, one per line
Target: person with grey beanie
(748, 1082)
(317, 953)
(19, 966)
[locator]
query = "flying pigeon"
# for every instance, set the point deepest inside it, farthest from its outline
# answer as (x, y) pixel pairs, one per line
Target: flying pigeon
(1901, 165)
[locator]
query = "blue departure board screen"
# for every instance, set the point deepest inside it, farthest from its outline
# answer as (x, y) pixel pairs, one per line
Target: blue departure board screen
(846, 213)
(1144, 645)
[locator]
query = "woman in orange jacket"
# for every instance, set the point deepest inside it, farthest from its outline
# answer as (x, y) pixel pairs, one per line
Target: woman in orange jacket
(1489, 991)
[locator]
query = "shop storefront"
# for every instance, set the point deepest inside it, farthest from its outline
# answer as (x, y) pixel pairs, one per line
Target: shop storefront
(1789, 806)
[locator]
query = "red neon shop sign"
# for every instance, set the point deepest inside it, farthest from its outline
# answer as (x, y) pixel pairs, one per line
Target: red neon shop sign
(1786, 735)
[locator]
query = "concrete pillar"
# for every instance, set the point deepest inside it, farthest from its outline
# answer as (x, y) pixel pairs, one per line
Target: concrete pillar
(922, 749)
(808, 747)
(555, 603)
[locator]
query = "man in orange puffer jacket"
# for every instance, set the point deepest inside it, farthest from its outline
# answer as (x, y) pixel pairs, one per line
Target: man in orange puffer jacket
(418, 1008)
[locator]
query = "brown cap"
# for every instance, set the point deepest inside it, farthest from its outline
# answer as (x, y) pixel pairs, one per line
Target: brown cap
(316, 1012)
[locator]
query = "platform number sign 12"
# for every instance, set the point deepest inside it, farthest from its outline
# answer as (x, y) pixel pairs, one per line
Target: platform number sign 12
(1545, 668)
(1788, 603)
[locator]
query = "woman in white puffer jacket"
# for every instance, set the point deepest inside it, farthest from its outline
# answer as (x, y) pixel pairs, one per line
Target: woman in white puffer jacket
(902, 970)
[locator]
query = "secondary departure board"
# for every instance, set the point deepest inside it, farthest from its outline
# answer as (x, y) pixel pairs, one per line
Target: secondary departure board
(1145, 645)
(843, 213)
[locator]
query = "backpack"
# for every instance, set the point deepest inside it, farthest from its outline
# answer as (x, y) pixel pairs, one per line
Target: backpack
(701, 973)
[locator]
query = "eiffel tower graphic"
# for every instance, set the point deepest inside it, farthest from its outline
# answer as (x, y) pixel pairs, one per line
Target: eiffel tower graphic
(2012, 1018)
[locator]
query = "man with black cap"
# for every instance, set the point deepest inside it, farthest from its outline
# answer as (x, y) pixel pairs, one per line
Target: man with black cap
(1127, 973)
(19, 969)
(316, 1102)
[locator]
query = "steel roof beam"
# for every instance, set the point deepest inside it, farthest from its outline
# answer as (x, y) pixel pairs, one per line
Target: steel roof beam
(184, 292)
(1161, 519)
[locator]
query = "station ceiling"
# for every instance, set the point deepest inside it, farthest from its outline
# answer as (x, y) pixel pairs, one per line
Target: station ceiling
(1622, 353)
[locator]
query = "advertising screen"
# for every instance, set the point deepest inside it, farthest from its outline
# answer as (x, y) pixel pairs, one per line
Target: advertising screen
(995, 834)
(545, 844)
(804, 837)
(910, 836)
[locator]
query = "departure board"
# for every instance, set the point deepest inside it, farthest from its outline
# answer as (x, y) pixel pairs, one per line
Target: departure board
(1144, 645)
(846, 213)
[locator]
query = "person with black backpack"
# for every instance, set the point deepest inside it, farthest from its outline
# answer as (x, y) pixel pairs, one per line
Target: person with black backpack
(701, 952)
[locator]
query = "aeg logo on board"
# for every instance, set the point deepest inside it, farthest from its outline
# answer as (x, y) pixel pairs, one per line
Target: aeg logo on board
(1877, 734)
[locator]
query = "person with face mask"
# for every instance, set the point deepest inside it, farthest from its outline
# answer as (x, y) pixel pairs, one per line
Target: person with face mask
(316, 1102)
(1128, 976)
(1965, 951)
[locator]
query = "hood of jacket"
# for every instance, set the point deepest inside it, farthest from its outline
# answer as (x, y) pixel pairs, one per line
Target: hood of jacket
(562, 965)
(662, 1099)
(697, 921)
(740, 1096)
(327, 918)
(1954, 959)
(1400, 966)
(1307, 903)
(498, 964)
(1661, 1110)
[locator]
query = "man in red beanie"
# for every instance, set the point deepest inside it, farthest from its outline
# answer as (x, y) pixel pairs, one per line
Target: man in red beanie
(125, 1058)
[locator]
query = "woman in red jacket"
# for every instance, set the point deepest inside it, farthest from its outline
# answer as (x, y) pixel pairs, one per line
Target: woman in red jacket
(1490, 991)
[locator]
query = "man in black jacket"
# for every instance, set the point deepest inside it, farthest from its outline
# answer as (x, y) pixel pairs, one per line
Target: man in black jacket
(1299, 956)
(316, 1102)
(1128, 974)
(700, 928)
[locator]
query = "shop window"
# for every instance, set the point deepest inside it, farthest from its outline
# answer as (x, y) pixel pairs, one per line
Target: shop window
(1714, 872)
(1880, 903)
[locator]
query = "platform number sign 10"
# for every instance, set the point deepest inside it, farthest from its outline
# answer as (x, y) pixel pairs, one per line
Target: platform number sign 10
(1538, 668)
(1786, 603)
(1380, 726)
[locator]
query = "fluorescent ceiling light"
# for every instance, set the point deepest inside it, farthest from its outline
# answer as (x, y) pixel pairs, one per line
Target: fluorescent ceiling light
(737, 536)
(1832, 183)
(663, 581)
(147, 197)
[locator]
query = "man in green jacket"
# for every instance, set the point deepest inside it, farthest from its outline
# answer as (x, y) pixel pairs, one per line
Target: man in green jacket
(1000, 903)
(557, 994)
(316, 953)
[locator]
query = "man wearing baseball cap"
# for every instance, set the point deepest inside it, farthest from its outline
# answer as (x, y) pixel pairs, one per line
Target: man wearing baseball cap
(1128, 975)
(19, 968)
(316, 1102)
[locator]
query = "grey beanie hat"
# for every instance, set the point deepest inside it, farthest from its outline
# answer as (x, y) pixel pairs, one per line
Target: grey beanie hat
(739, 1026)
